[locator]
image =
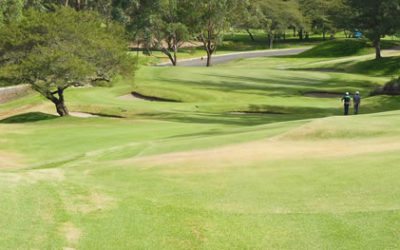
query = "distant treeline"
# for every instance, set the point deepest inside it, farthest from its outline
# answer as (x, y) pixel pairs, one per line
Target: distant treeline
(167, 24)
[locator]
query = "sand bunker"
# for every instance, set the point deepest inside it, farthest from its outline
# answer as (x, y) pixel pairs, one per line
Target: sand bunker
(82, 115)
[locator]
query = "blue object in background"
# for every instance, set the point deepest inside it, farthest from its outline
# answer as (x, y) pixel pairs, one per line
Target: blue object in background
(358, 34)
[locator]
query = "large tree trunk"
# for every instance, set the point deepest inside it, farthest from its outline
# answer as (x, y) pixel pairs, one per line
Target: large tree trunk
(172, 58)
(56, 97)
(301, 34)
(271, 40)
(78, 5)
(209, 55)
(61, 108)
(175, 55)
(209, 47)
(377, 45)
(251, 35)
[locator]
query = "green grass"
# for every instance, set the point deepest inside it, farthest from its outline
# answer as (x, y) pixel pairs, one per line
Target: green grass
(204, 174)
(345, 48)
(353, 56)
(338, 48)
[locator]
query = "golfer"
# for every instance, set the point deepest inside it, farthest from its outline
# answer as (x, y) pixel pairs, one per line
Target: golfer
(356, 102)
(346, 99)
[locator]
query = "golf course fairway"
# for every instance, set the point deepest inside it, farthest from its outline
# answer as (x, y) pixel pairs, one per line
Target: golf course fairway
(252, 154)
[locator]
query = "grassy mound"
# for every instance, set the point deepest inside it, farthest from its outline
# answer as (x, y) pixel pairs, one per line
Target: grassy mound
(338, 48)
(28, 117)
(384, 66)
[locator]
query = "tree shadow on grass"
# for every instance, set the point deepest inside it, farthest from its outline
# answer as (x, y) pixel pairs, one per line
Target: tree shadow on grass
(275, 85)
(28, 117)
(235, 119)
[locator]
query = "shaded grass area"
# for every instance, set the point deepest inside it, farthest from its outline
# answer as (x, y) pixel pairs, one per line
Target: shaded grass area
(338, 48)
(29, 117)
(387, 66)
(345, 47)
(356, 57)
(383, 66)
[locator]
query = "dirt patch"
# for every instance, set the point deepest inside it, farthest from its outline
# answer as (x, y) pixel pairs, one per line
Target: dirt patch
(260, 151)
(93, 202)
(55, 175)
(72, 235)
(10, 160)
(321, 94)
(140, 97)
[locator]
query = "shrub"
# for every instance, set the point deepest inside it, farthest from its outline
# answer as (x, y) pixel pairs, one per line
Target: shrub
(390, 88)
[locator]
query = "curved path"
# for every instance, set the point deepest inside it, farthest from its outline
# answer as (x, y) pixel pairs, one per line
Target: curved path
(218, 59)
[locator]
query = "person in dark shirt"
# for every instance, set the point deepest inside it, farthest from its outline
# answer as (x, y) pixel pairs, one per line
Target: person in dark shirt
(346, 99)
(357, 102)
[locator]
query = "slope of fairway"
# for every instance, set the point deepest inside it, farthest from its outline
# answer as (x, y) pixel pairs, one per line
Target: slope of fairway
(255, 155)
(312, 184)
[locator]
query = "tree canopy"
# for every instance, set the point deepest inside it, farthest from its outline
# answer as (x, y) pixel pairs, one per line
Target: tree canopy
(166, 25)
(376, 18)
(53, 51)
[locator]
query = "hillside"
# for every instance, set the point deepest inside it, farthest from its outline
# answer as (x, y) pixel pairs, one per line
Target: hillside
(250, 154)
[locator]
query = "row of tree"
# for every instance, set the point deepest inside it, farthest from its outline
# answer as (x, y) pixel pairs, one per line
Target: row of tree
(167, 24)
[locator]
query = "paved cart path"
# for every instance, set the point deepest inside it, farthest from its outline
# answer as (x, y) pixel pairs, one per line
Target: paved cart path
(219, 59)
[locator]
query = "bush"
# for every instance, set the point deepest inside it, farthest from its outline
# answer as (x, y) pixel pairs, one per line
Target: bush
(390, 88)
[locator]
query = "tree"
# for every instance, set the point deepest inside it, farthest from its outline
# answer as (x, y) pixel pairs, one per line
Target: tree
(208, 20)
(169, 28)
(247, 16)
(376, 19)
(53, 51)
(340, 15)
(278, 16)
(142, 20)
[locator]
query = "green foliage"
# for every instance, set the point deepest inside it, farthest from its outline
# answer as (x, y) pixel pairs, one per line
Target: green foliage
(10, 11)
(376, 19)
(52, 48)
(55, 50)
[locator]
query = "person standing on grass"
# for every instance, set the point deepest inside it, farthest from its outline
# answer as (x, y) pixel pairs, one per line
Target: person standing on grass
(357, 102)
(346, 99)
